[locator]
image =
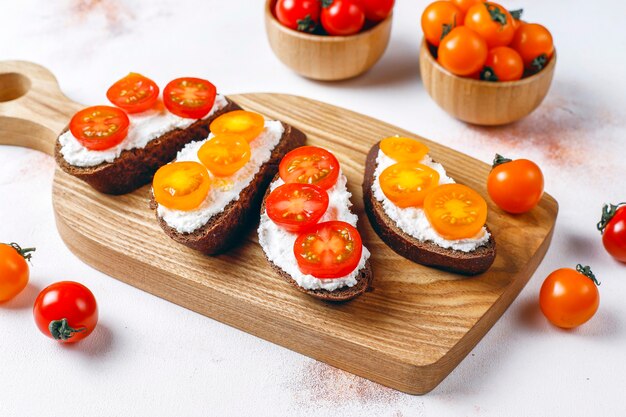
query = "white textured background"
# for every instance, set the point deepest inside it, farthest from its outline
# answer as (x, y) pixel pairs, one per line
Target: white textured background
(151, 358)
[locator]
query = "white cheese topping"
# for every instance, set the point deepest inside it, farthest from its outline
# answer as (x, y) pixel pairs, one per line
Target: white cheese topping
(223, 189)
(278, 243)
(144, 127)
(412, 220)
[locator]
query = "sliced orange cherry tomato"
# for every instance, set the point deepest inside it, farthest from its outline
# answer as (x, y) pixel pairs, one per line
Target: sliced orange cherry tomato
(99, 127)
(403, 149)
(246, 124)
(224, 155)
(492, 22)
(462, 52)
(329, 250)
(296, 207)
(192, 98)
(438, 17)
(502, 64)
(569, 297)
(310, 165)
(406, 184)
(134, 93)
(534, 44)
(455, 211)
(181, 185)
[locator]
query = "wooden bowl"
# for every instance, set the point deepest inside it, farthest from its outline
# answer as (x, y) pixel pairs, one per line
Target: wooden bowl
(326, 58)
(483, 102)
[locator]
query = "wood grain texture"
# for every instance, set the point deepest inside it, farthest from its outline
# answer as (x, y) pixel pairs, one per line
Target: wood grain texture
(481, 102)
(408, 332)
(326, 58)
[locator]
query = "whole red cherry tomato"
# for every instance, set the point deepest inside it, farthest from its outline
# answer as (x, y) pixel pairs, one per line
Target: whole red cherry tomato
(66, 311)
(376, 10)
(568, 297)
(342, 17)
(302, 15)
(14, 271)
(515, 186)
(613, 229)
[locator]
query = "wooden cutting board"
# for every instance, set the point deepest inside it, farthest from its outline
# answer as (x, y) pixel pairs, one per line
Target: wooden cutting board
(408, 332)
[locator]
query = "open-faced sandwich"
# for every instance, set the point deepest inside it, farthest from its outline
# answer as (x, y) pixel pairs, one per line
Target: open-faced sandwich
(118, 149)
(421, 213)
(212, 192)
(307, 230)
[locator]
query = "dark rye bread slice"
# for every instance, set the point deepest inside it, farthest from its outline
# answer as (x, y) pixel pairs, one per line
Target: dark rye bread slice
(364, 279)
(135, 167)
(227, 228)
(425, 253)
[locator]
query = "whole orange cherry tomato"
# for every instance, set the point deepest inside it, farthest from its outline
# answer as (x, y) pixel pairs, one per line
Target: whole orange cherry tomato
(569, 297)
(440, 17)
(491, 21)
(462, 52)
(534, 44)
(613, 229)
(14, 271)
(515, 186)
(502, 64)
(464, 6)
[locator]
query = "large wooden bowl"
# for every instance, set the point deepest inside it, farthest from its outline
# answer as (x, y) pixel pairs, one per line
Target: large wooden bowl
(326, 58)
(483, 102)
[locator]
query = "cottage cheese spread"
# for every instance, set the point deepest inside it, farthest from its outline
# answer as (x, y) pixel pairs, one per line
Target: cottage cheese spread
(223, 189)
(412, 220)
(144, 127)
(278, 243)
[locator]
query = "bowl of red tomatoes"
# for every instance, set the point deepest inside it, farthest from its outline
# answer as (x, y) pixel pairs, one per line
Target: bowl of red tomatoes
(329, 40)
(482, 63)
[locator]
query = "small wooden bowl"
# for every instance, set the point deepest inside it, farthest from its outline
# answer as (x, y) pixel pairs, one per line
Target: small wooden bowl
(326, 58)
(483, 102)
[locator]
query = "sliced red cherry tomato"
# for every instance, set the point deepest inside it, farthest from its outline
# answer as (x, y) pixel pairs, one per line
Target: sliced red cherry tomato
(99, 127)
(134, 93)
(192, 98)
(329, 250)
(296, 207)
(66, 311)
(310, 165)
(613, 229)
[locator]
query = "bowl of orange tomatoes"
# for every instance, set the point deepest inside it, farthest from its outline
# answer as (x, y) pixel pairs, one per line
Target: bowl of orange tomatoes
(482, 63)
(329, 40)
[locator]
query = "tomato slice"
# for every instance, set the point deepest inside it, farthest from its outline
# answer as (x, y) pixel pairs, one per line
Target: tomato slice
(310, 165)
(134, 93)
(296, 207)
(403, 149)
(246, 124)
(99, 127)
(181, 185)
(192, 98)
(455, 211)
(406, 184)
(329, 250)
(224, 155)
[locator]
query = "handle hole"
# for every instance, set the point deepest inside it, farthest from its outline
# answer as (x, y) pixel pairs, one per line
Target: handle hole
(13, 86)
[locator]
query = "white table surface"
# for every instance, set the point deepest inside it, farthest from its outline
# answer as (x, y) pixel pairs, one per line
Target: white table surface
(149, 357)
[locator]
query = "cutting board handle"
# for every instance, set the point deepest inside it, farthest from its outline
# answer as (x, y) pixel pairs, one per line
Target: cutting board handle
(33, 110)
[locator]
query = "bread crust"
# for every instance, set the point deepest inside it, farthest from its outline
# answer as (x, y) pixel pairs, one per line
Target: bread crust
(425, 253)
(227, 228)
(135, 167)
(364, 279)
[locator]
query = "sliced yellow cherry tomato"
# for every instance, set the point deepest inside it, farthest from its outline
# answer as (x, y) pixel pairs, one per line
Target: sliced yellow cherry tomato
(224, 155)
(407, 183)
(403, 149)
(181, 185)
(246, 124)
(455, 211)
